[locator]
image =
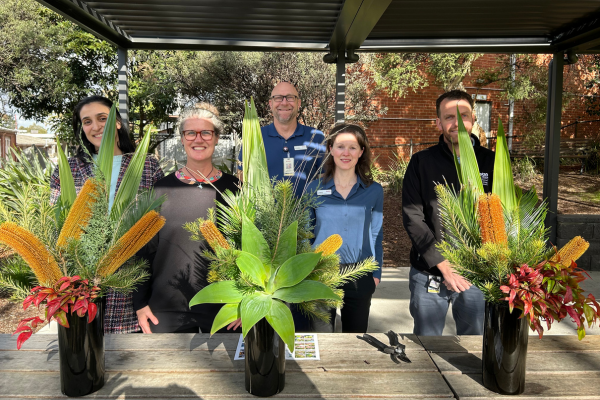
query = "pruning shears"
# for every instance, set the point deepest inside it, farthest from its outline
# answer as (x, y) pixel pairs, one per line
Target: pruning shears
(395, 349)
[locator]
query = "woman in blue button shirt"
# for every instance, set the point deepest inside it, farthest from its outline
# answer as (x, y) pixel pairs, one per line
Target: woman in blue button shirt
(351, 205)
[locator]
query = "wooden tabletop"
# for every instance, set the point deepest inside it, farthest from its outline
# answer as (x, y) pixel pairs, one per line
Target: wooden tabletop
(175, 366)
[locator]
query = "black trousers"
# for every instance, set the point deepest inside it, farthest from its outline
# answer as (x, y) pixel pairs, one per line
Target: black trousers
(355, 312)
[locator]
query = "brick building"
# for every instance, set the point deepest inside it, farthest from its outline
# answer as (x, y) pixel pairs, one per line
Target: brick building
(412, 118)
(8, 138)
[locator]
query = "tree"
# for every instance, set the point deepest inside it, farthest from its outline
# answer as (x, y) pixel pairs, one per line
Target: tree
(34, 128)
(227, 79)
(7, 117)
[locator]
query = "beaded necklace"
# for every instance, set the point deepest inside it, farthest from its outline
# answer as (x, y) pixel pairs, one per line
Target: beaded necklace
(182, 176)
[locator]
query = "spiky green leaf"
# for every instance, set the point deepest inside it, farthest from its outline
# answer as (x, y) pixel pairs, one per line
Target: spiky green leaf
(218, 292)
(67, 183)
(295, 270)
(254, 308)
(280, 318)
(107, 146)
(503, 184)
(226, 315)
(306, 291)
(468, 162)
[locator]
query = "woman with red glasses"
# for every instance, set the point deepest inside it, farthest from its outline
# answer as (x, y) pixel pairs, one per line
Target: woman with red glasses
(178, 269)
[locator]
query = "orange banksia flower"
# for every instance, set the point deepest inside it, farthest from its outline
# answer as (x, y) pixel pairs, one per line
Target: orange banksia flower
(330, 245)
(571, 251)
(131, 242)
(33, 251)
(491, 219)
(212, 235)
(80, 213)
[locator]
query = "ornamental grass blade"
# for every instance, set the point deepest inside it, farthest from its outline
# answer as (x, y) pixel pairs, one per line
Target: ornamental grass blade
(469, 170)
(254, 159)
(107, 146)
(67, 184)
(503, 184)
(131, 180)
(280, 318)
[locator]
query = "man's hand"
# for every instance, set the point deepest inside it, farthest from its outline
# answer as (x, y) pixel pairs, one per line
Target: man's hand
(143, 315)
(452, 280)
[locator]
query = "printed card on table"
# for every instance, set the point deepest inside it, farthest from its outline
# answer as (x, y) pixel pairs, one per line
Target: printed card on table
(306, 348)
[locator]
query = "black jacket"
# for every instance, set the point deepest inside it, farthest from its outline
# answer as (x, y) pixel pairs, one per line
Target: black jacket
(420, 211)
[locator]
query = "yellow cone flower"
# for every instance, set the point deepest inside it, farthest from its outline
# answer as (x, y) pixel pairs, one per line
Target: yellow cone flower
(330, 245)
(131, 242)
(80, 213)
(491, 219)
(33, 251)
(212, 235)
(571, 251)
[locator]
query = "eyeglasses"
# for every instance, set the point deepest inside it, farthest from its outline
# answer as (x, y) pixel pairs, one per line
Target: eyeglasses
(205, 135)
(279, 98)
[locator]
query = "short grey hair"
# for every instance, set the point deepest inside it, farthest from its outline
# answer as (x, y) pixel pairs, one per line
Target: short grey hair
(201, 111)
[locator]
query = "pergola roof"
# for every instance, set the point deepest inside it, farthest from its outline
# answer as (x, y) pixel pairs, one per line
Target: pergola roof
(523, 26)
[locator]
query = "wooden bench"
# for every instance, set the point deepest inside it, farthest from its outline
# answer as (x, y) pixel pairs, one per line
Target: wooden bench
(578, 148)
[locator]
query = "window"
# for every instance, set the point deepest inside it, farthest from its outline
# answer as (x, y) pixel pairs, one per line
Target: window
(7, 147)
(483, 112)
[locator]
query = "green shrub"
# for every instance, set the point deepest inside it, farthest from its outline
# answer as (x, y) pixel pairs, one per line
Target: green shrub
(524, 169)
(394, 176)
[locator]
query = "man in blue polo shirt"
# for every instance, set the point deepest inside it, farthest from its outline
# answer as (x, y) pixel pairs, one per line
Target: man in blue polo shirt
(294, 151)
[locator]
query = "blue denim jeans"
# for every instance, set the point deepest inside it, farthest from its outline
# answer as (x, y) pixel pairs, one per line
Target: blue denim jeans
(429, 309)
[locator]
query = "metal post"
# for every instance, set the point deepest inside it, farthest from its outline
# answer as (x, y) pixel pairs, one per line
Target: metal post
(122, 85)
(552, 151)
(511, 102)
(340, 87)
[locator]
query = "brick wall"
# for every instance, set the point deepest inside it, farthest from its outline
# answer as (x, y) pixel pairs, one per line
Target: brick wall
(413, 117)
(586, 226)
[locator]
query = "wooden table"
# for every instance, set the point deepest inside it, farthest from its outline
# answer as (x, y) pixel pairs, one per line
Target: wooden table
(175, 366)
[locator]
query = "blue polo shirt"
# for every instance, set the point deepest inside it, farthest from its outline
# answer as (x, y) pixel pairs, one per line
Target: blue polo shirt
(358, 219)
(306, 146)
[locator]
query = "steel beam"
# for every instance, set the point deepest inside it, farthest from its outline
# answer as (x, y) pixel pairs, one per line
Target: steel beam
(356, 20)
(122, 86)
(552, 151)
(340, 88)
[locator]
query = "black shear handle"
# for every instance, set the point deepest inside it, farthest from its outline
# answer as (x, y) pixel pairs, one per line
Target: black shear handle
(374, 342)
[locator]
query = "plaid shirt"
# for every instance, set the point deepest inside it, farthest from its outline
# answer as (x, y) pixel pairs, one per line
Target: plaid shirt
(119, 316)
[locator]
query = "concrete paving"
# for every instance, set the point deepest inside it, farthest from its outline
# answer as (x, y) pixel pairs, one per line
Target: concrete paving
(389, 307)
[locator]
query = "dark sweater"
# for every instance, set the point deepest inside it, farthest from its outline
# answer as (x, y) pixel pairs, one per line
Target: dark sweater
(420, 211)
(178, 270)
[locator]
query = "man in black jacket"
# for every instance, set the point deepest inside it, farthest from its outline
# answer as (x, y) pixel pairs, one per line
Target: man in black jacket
(433, 282)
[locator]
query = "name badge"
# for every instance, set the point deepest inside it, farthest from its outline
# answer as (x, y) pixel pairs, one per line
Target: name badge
(323, 192)
(299, 147)
(288, 166)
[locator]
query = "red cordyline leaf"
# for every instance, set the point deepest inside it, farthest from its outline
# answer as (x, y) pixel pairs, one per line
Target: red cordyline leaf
(568, 295)
(22, 338)
(64, 286)
(92, 310)
(61, 318)
(573, 315)
(52, 307)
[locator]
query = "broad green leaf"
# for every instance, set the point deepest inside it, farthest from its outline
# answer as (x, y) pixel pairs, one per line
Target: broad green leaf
(468, 161)
(107, 146)
(286, 247)
(131, 180)
(306, 291)
(218, 292)
(253, 241)
(254, 308)
(253, 267)
(295, 269)
(226, 315)
(503, 184)
(280, 318)
(67, 184)
(589, 313)
(581, 332)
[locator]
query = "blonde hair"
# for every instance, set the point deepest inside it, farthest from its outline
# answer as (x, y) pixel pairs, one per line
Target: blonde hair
(203, 111)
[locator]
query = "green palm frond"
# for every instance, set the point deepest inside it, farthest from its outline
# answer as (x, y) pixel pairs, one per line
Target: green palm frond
(135, 210)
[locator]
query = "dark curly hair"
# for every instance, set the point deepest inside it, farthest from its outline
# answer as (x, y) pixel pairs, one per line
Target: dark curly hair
(123, 142)
(363, 166)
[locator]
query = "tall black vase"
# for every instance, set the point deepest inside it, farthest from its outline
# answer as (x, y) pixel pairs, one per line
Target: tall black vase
(505, 339)
(81, 351)
(265, 360)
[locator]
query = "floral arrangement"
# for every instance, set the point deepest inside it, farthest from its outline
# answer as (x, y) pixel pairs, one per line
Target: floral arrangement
(83, 250)
(498, 242)
(262, 255)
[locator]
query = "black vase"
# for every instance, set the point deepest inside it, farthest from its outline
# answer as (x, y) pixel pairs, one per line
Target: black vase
(81, 351)
(504, 356)
(265, 360)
